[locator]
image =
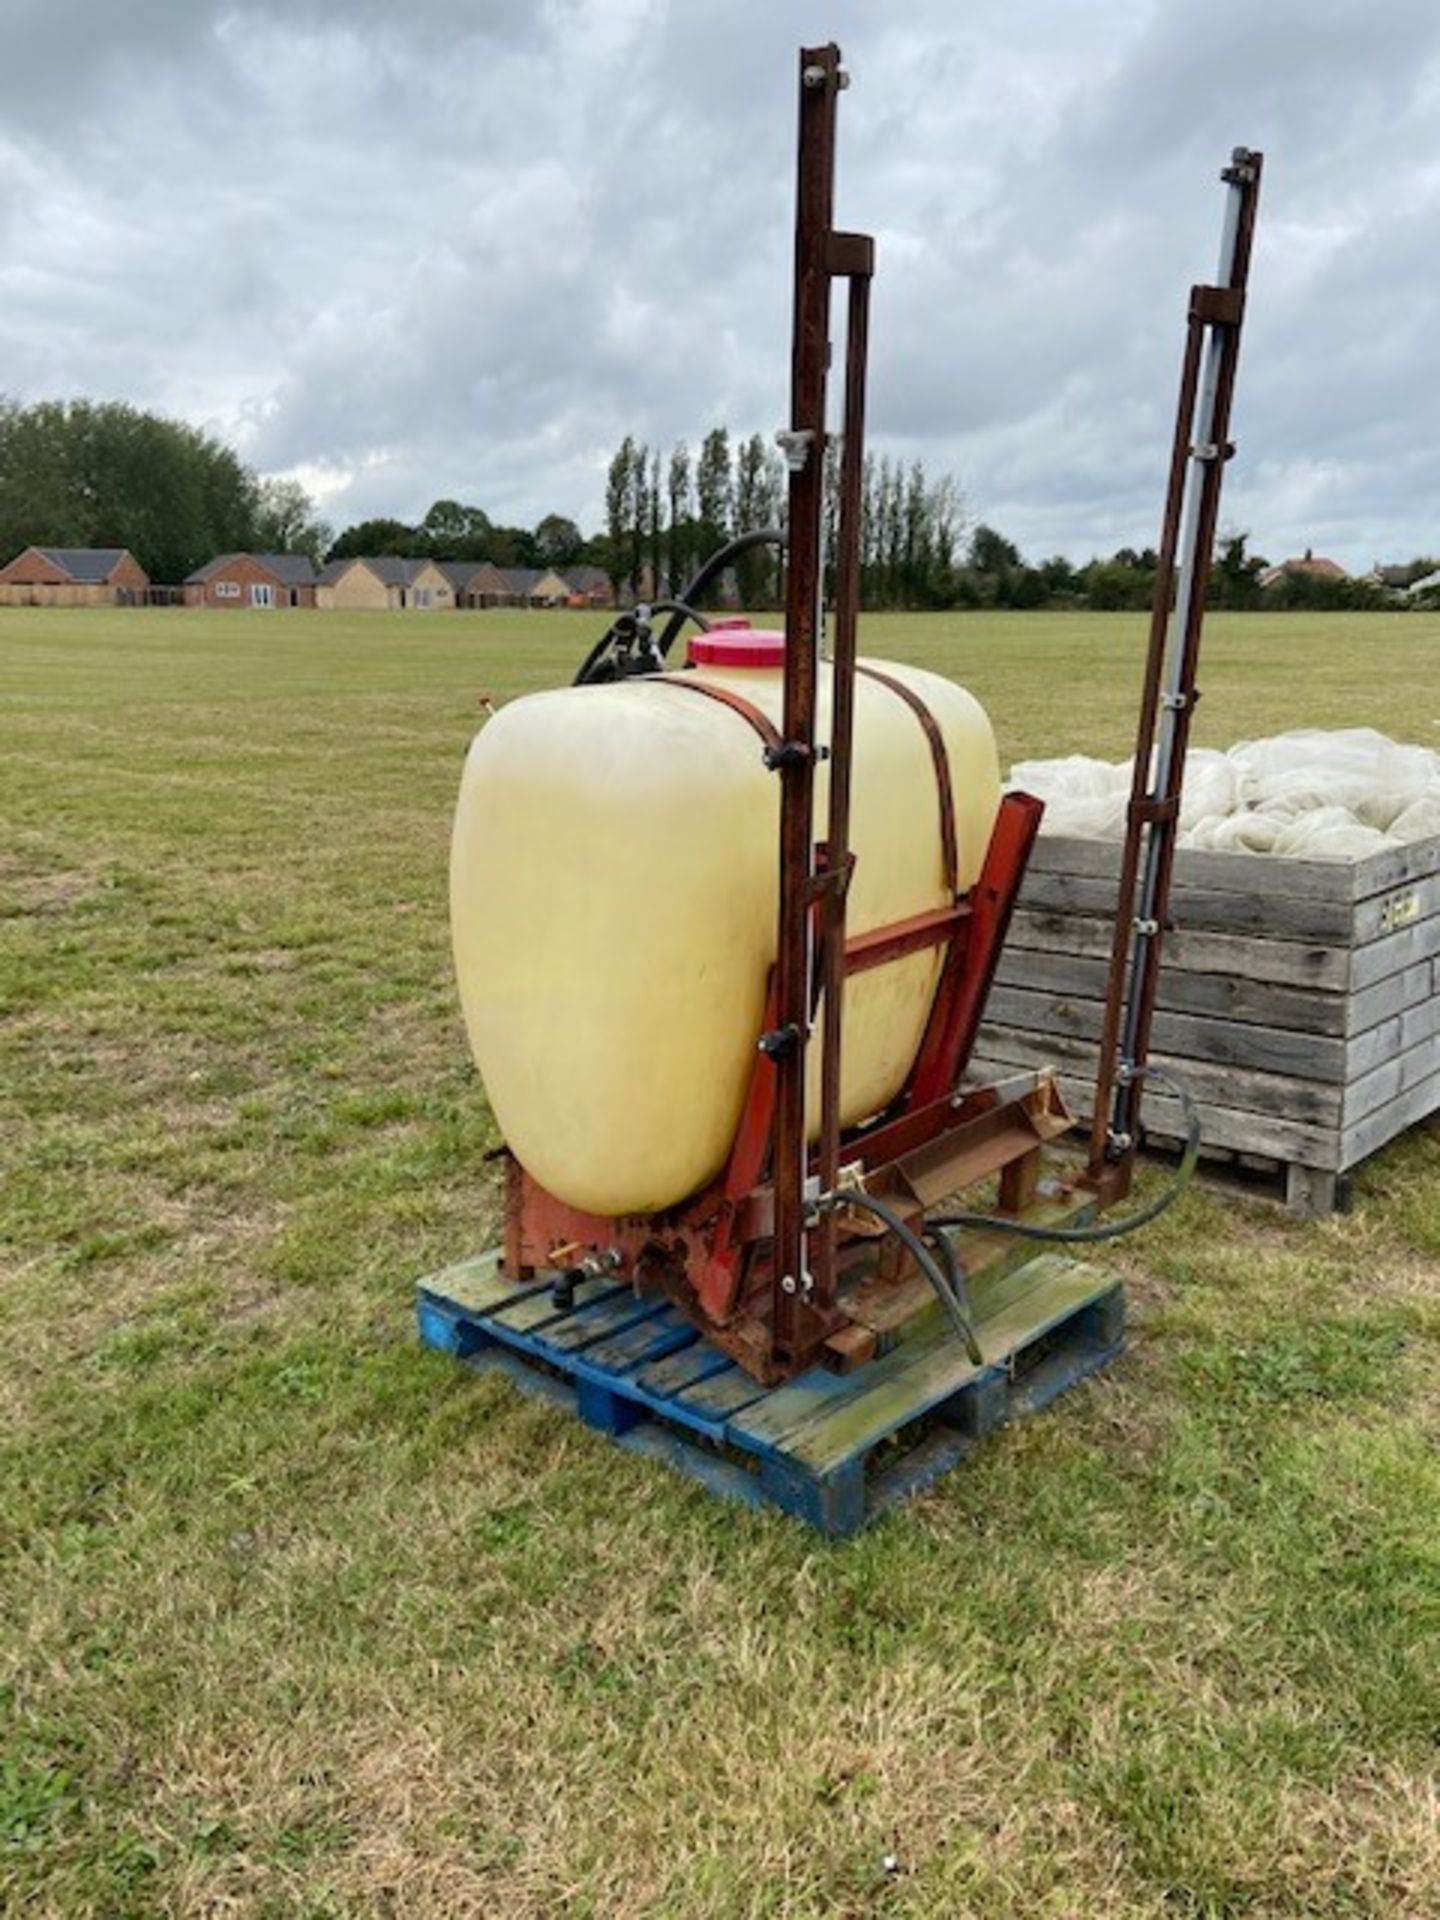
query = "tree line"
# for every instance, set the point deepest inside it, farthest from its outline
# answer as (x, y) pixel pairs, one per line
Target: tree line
(453, 531)
(84, 473)
(666, 513)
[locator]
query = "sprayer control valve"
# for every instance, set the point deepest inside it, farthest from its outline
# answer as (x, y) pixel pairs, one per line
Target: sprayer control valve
(780, 1043)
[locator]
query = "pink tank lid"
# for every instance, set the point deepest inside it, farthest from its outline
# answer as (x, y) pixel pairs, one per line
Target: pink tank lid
(735, 643)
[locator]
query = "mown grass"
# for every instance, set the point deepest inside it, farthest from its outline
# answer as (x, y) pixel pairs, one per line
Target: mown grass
(297, 1619)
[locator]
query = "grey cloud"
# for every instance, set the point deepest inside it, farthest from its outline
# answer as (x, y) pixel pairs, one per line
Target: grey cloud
(460, 247)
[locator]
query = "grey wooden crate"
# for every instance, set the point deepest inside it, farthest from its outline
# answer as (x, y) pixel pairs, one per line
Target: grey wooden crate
(1299, 999)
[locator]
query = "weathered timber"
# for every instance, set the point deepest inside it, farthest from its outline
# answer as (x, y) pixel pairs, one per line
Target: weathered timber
(1299, 1000)
(1224, 995)
(1285, 961)
(1230, 1043)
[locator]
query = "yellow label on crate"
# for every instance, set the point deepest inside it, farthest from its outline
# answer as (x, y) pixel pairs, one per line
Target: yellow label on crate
(1399, 911)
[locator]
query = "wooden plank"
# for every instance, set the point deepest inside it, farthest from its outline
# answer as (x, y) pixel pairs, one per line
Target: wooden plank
(1310, 1191)
(1307, 1056)
(784, 1411)
(650, 1340)
(1273, 916)
(1389, 996)
(1200, 871)
(1396, 951)
(721, 1394)
(588, 1324)
(476, 1283)
(1390, 1039)
(1283, 1096)
(1231, 996)
(1289, 962)
(532, 1309)
(672, 1376)
(1392, 1080)
(1366, 1136)
(1399, 907)
(933, 1375)
(1273, 1139)
(1253, 872)
(1396, 867)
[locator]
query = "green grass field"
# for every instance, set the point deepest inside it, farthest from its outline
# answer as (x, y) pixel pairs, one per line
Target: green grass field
(297, 1619)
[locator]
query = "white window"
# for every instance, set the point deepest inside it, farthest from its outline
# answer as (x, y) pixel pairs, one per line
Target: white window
(227, 589)
(261, 594)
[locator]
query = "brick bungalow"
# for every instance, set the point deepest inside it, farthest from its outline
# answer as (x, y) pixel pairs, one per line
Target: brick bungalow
(74, 577)
(383, 582)
(590, 585)
(477, 583)
(253, 580)
(538, 587)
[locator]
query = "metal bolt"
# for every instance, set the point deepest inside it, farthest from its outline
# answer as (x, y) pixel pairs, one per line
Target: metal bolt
(787, 1285)
(813, 77)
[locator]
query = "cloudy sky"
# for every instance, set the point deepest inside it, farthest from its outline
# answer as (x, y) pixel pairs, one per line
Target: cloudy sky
(459, 247)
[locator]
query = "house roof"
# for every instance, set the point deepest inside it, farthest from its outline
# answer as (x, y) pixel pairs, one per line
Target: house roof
(89, 565)
(387, 567)
(523, 579)
(394, 570)
(584, 578)
(461, 572)
(291, 569)
(1307, 562)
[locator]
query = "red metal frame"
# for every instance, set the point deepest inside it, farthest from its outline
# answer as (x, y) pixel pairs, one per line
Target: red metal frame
(714, 1253)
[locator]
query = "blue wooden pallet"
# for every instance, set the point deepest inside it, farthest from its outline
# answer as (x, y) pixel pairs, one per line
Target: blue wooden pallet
(834, 1449)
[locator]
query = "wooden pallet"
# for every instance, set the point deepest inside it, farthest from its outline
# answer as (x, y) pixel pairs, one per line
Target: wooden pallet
(833, 1449)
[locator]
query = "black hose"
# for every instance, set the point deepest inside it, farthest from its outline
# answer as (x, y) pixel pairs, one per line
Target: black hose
(682, 609)
(1103, 1229)
(955, 1276)
(722, 558)
(629, 622)
(921, 1255)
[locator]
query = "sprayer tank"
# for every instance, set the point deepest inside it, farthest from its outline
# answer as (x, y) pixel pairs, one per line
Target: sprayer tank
(614, 898)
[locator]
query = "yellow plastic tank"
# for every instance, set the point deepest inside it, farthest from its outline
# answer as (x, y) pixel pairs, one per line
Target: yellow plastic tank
(613, 887)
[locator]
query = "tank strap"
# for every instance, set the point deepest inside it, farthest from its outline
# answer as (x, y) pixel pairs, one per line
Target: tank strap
(945, 793)
(737, 703)
(760, 724)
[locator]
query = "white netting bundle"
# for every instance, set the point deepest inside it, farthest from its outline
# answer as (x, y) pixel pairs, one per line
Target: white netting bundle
(1308, 795)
